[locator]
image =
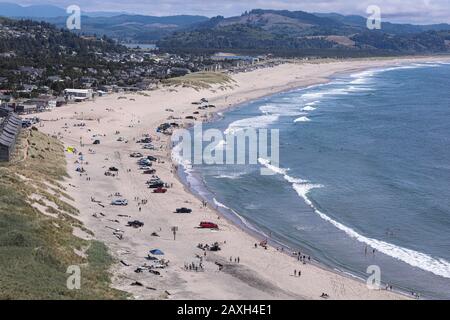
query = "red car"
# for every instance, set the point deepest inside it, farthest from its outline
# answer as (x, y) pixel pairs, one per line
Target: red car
(160, 190)
(208, 225)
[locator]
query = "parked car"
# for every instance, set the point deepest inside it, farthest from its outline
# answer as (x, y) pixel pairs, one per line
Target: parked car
(151, 158)
(135, 224)
(208, 225)
(183, 210)
(149, 171)
(145, 140)
(156, 185)
(113, 169)
(96, 142)
(145, 163)
(148, 147)
(160, 190)
(119, 202)
(136, 155)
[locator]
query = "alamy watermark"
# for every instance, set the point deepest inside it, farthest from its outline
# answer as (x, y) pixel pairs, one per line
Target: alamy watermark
(74, 280)
(73, 21)
(374, 280)
(241, 146)
(374, 19)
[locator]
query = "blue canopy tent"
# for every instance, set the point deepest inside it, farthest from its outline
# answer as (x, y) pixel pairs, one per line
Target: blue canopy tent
(157, 252)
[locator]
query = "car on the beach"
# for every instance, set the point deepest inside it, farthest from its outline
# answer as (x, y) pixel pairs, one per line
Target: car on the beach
(145, 168)
(149, 171)
(136, 155)
(155, 179)
(135, 224)
(145, 140)
(183, 210)
(151, 158)
(119, 202)
(149, 147)
(145, 162)
(156, 185)
(208, 225)
(26, 123)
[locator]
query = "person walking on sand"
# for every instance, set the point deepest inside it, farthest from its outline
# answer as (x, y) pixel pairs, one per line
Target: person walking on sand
(295, 273)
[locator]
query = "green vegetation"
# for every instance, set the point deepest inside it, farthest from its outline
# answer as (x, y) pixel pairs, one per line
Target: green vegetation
(286, 33)
(36, 248)
(201, 80)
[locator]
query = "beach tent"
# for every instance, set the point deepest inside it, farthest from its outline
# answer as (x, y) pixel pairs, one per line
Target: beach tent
(156, 252)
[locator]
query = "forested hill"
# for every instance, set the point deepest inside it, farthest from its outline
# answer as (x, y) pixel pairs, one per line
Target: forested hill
(301, 33)
(30, 39)
(32, 51)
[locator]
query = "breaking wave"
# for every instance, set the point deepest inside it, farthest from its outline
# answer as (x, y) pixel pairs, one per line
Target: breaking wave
(437, 266)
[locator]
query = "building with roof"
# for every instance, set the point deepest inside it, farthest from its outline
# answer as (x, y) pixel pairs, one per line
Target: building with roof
(10, 125)
(78, 95)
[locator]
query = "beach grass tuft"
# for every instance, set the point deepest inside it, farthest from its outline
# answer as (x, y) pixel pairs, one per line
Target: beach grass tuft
(200, 80)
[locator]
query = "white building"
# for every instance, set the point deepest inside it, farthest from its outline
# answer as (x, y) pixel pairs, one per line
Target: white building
(78, 94)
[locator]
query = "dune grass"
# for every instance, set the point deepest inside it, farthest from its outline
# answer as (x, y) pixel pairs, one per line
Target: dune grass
(36, 249)
(201, 80)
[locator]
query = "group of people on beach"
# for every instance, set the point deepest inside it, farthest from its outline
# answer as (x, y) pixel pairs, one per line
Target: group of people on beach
(194, 267)
(236, 259)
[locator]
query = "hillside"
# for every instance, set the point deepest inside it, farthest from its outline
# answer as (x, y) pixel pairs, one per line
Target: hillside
(116, 25)
(32, 51)
(133, 28)
(301, 33)
(37, 241)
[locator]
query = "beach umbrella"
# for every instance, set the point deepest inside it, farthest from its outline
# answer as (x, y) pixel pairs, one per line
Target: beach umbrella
(156, 252)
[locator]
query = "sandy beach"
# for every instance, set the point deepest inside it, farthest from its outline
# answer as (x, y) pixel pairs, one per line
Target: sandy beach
(260, 273)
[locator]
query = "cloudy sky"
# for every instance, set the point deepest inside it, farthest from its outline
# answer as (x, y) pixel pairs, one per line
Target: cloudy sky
(414, 11)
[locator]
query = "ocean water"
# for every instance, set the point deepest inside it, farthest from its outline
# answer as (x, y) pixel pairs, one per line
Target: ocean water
(364, 164)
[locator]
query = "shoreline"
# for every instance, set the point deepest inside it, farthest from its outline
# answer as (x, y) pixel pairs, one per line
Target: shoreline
(259, 276)
(254, 231)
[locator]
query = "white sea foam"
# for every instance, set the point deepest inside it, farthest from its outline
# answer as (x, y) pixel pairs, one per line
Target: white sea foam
(302, 119)
(313, 95)
(437, 266)
(242, 219)
(220, 204)
(308, 108)
(180, 159)
(280, 110)
(233, 176)
(253, 122)
(280, 171)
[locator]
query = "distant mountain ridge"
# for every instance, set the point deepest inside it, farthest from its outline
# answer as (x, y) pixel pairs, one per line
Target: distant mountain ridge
(301, 33)
(259, 31)
(119, 25)
(12, 10)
